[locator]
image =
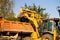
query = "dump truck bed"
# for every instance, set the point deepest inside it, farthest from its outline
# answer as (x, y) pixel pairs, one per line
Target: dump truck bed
(11, 26)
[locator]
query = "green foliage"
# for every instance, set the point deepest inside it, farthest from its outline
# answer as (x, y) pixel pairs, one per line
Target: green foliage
(6, 9)
(11, 16)
(38, 9)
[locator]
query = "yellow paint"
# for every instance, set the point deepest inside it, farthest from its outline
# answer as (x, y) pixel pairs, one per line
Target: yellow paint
(54, 34)
(34, 35)
(45, 39)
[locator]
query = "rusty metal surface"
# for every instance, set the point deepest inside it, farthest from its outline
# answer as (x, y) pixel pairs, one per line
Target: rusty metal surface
(15, 26)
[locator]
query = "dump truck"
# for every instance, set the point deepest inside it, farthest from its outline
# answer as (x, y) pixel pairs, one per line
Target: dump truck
(24, 29)
(11, 30)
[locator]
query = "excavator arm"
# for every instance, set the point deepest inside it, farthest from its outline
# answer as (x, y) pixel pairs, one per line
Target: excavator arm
(34, 17)
(31, 16)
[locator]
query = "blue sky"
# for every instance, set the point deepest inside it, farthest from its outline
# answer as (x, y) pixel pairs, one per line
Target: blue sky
(50, 5)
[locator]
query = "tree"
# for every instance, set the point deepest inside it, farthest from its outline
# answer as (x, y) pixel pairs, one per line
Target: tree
(25, 5)
(38, 9)
(6, 7)
(11, 16)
